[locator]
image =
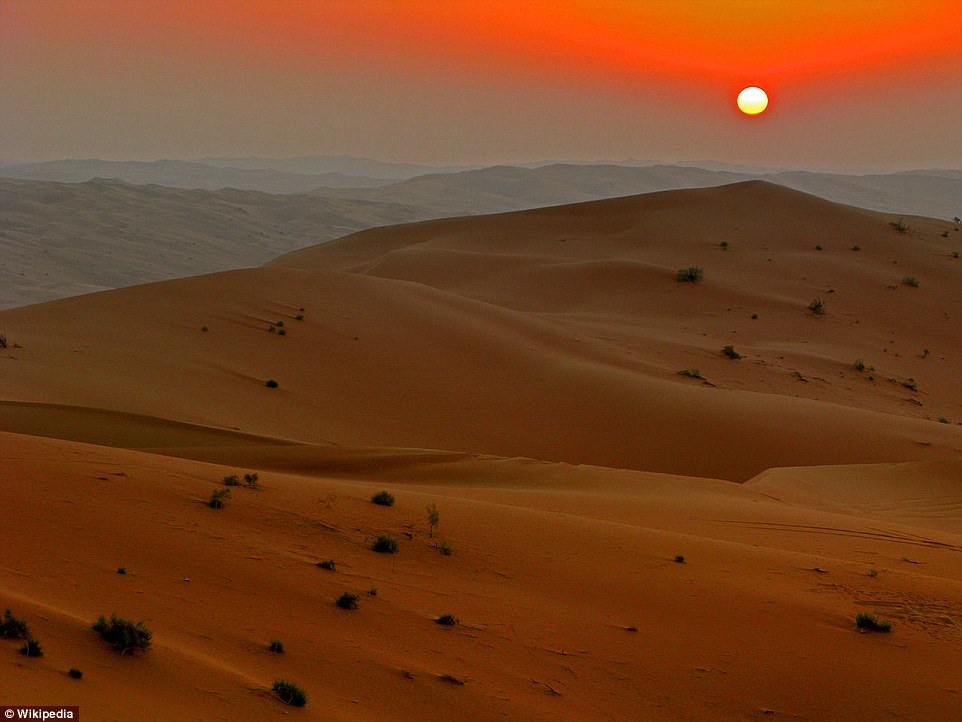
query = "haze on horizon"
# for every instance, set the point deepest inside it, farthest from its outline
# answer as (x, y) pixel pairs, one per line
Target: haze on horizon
(858, 85)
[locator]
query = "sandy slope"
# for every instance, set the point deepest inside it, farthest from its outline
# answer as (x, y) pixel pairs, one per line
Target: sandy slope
(552, 564)
(520, 371)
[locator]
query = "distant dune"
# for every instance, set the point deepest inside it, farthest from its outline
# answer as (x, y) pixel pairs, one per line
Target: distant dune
(60, 239)
(632, 525)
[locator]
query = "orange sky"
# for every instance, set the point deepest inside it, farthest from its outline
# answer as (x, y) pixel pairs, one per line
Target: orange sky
(64, 59)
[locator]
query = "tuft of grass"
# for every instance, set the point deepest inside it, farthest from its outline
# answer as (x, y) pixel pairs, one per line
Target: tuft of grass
(13, 627)
(276, 647)
(910, 385)
(680, 559)
(282, 332)
(385, 544)
(271, 384)
(868, 623)
(690, 373)
(218, 498)
(447, 620)
(723, 245)
(873, 573)
(445, 549)
(692, 274)
(328, 564)
(900, 225)
(434, 518)
(451, 679)
(347, 601)
(383, 498)
(817, 306)
(730, 352)
(372, 591)
(290, 693)
(75, 673)
(121, 570)
(859, 365)
(123, 634)
(911, 281)
(3, 339)
(251, 479)
(32, 648)
(231, 480)
(943, 420)
(856, 248)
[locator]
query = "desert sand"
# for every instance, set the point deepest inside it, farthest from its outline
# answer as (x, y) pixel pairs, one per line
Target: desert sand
(521, 373)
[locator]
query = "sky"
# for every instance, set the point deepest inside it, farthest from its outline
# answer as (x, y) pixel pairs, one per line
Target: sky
(853, 84)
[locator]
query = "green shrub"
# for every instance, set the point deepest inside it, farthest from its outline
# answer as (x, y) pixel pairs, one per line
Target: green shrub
(447, 620)
(271, 384)
(218, 498)
(856, 248)
(859, 365)
(290, 693)
(75, 673)
(434, 518)
(730, 352)
(724, 245)
(900, 226)
(372, 591)
(445, 549)
(121, 570)
(231, 480)
(692, 274)
(817, 306)
(818, 247)
(910, 385)
(32, 648)
(347, 601)
(383, 498)
(911, 281)
(276, 646)
(690, 373)
(385, 544)
(679, 559)
(124, 635)
(12, 627)
(251, 479)
(868, 623)
(299, 317)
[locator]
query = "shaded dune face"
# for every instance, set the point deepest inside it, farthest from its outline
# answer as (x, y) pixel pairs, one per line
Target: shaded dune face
(623, 541)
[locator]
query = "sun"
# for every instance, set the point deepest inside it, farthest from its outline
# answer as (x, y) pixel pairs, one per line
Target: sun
(752, 100)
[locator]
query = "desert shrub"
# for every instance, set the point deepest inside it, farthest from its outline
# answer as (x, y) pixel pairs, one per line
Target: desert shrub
(817, 306)
(445, 549)
(856, 248)
(434, 518)
(868, 623)
(911, 281)
(383, 498)
(679, 559)
(724, 245)
(451, 679)
(299, 317)
(271, 384)
(730, 352)
(203, 329)
(328, 564)
(251, 479)
(3, 339)
(690, 373)
(818, 247)
(692, 274)
(873, 573)
(372, 591)
(276, 646)
(32, 648)
(385, 544)
(231, 480)
(218, 498)
(859, 365)
(900, 226)
(447, 620)
(290, 693)
(13, 627)
(279, 324)
(910, 385)
(943, 420)
(75, 673)
(282, 332)
(347, 601)
(123, 634)
(121, 570)
(754, 317)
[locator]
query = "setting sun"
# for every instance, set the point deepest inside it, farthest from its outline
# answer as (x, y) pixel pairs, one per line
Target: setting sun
(752, 101)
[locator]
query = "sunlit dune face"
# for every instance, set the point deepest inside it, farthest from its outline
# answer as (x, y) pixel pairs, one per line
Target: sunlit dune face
(752, 100)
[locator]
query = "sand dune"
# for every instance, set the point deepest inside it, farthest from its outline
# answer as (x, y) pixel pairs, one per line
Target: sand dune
(519, 371)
